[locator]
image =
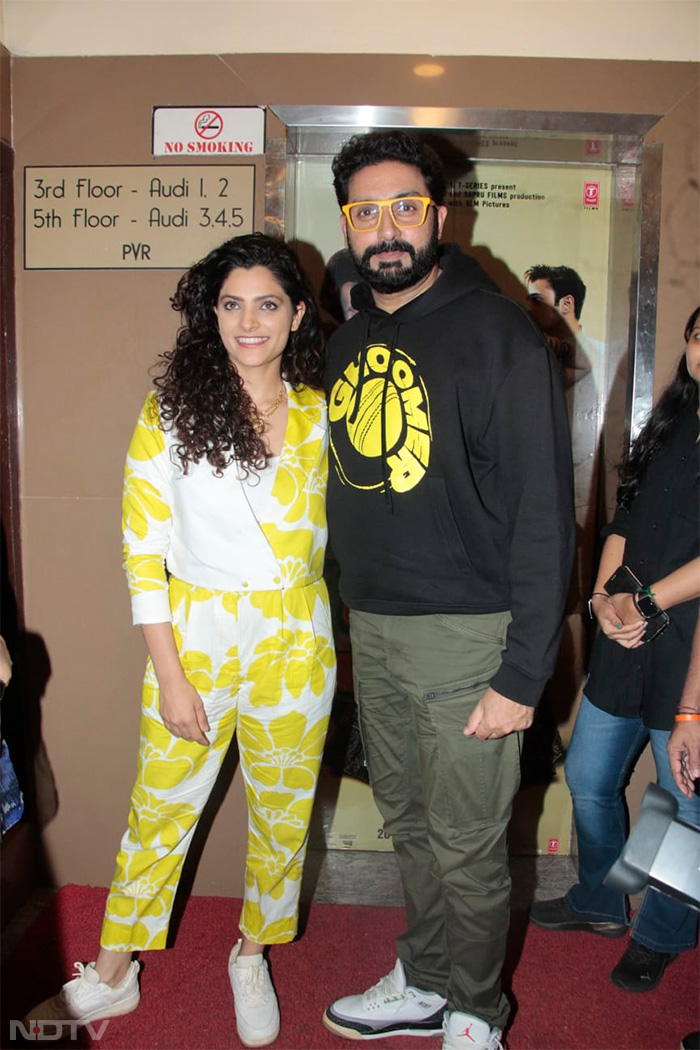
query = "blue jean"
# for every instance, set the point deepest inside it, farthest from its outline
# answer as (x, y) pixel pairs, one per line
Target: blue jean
(603, 751)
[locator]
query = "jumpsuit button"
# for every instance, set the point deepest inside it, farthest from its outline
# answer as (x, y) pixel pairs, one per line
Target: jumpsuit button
(245, 585)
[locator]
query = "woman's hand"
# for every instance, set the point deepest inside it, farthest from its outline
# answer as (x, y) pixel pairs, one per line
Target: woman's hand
(182, 711)
(619, 620)
(684, 755)
(180, 704)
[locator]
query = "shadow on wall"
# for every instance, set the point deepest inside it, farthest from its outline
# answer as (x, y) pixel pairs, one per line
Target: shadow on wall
(21, 708)
(25, 863)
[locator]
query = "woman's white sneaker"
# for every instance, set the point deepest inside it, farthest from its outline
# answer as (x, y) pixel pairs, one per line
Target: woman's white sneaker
(257, 1012)
(86, 998)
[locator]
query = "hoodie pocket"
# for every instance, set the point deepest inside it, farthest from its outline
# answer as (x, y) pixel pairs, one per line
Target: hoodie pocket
(452, 550)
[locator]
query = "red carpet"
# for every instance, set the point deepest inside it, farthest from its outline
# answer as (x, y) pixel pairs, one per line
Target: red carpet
(558, 983)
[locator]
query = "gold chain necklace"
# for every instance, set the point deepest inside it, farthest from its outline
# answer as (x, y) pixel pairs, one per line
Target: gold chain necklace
(260, 417)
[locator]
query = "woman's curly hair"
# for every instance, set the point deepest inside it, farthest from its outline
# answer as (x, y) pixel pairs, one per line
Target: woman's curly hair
(678, 395)
(201, 396)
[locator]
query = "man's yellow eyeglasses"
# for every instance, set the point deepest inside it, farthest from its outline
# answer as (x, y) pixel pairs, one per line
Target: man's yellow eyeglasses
(406, 212)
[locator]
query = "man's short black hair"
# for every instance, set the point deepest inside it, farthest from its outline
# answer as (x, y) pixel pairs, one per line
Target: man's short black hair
(564, 281)
(361, 151)
(341, 268)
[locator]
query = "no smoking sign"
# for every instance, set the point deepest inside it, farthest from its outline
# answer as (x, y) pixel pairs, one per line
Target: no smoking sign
(210, 130)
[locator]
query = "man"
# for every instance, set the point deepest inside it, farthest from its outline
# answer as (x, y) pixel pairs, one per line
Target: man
(341, 277)
(451, 517)
(556, 295)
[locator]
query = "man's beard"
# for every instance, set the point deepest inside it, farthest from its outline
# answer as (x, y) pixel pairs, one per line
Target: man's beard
(392, 276)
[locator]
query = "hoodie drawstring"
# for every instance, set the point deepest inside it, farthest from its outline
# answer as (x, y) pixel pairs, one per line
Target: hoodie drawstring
(388, 495)
(362, 369)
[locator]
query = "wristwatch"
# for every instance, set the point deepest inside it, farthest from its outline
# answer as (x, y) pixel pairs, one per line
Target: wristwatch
(645, 605)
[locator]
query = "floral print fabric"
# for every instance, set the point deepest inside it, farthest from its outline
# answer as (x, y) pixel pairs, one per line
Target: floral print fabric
(261, 659)
(203, 529)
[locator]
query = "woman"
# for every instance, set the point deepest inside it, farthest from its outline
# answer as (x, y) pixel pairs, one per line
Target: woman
(225, 532)
(636, 679)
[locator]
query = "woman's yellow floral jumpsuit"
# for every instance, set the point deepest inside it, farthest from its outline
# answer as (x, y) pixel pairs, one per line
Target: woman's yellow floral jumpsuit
(249, 610)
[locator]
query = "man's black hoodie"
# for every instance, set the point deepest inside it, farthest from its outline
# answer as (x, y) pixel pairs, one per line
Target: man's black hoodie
(450, 487)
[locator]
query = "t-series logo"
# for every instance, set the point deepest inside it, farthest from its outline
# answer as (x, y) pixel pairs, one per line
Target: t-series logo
(46, 1031)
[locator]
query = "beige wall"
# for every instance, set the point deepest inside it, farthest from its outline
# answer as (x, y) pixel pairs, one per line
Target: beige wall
(5, 95)
(86, 340)
(659, 30)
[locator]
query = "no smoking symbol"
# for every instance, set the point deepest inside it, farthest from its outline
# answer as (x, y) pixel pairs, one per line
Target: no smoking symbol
(208, 124)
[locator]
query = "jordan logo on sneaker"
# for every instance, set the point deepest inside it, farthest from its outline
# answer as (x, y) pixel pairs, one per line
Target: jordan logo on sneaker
(468, 1032)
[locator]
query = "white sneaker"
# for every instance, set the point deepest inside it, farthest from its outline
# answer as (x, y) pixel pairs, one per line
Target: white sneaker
(257, 1012)
(465, 1030)
(86, 998)
(390, 1007)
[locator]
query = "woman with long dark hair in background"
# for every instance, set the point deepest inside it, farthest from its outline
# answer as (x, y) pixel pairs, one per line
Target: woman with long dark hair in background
(637, 671)
(224, 540)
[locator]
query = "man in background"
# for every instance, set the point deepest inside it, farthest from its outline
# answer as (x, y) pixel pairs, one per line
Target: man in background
(341, 278)
(556, 295)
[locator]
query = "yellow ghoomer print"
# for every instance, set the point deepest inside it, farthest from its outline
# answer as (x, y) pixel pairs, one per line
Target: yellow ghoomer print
(392, 418)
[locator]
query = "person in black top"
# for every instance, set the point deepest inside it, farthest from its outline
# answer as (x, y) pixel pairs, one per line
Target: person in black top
(450, 506)
(636, 678)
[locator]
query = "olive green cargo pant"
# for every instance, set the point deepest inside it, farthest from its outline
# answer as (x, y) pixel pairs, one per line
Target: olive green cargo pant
(445, 798)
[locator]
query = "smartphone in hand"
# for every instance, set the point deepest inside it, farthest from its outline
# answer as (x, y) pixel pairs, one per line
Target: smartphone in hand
(624, 581)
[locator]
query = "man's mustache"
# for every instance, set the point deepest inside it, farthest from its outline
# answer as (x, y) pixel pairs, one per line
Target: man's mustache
(388, 246)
